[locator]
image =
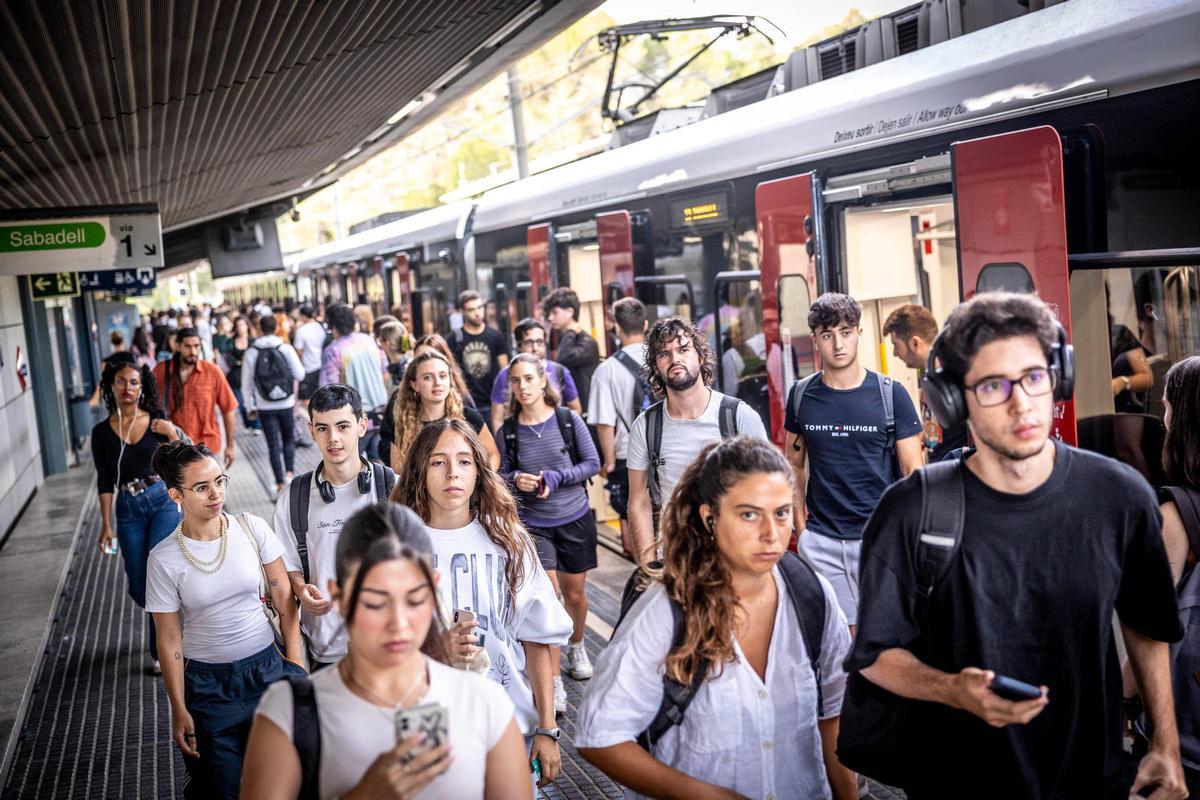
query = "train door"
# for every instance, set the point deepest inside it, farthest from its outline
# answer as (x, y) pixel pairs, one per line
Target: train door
(626, 248)
(788, 253)
(741, 344)
(543, 264)
(1011, 214)
(400, 284)
(374, 287)
(577, 265)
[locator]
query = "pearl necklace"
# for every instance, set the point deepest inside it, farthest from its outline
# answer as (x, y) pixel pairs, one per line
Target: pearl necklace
(207, 567)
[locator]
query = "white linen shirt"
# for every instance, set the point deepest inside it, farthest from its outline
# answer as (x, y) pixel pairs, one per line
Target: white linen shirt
(759, 738)
(611, 398)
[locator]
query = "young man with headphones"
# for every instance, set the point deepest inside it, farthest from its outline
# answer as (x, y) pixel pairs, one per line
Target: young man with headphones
(1018, 582)
(310, 512)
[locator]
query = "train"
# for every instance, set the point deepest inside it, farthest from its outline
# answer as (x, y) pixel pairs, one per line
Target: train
(1052, 152)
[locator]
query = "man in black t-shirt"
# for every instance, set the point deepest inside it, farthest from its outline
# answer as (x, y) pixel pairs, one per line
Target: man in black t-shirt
(481, 351)
(839, 447)
(577, 350)
(912, 330)
(1054, 541)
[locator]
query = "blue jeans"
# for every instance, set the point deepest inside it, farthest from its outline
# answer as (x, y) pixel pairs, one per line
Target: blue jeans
(221, 699)
(143, 521)
(281, 440)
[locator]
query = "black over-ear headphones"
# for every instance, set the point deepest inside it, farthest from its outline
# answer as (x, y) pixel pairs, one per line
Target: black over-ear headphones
(325, 488)
(945, 396)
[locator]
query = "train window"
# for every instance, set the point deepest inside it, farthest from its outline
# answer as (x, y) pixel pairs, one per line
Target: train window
(743, 346)
(1129, 325)
(1008, 277)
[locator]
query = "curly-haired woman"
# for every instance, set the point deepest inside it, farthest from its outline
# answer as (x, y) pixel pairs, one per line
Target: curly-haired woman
(759, 725)
(122, 447)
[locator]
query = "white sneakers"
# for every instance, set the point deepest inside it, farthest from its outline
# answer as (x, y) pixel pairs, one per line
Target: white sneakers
(560, 695)
(579, 666)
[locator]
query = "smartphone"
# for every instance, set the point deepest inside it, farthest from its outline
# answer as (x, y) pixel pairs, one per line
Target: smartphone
(429, 718)
(541, 487)
(1015, 690)
(463, 615)
(536, 766)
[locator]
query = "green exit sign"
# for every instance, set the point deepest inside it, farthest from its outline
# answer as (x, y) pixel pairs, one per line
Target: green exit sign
(57, 236)
(61, 284)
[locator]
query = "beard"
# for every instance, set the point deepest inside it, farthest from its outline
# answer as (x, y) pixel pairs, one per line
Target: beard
(682, 382)
(190, 359)
(1012, 454)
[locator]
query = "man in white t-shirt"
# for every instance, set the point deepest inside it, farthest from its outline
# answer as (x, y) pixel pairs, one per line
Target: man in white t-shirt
(619, 394)
(680, 365)
(309, 340)
(324, 499)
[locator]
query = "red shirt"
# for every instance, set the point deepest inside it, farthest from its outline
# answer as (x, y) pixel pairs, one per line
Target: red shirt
(206, 388)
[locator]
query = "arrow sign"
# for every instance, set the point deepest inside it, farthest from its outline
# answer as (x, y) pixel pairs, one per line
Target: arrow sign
(60, 284)
(80, 239)
(149, 249)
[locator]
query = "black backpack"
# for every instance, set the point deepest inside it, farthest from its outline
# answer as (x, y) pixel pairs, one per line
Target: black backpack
(306, 735)
(272, 375)
(886, 396)
(726, 419)
(870, 737)
(300, 492)
(643, 395)
(808, 599)
(566, 426)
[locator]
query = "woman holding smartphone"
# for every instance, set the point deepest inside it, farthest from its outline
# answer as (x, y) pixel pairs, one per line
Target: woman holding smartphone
(215, 642)
(758, 725)
(547, 458)
(427, 394)
(386, 591)
(122, 448)
(489, 567)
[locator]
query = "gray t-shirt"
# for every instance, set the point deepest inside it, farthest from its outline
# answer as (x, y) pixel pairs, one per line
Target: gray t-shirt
(611, 400)
(683, 439)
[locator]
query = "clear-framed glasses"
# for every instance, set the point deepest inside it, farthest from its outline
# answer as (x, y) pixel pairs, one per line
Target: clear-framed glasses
(996, 391)
(205, 488)
(133, 383)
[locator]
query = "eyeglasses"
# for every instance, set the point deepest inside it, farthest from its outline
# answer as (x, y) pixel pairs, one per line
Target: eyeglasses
(997, 391)
(205, 488)
(531, 344)
(122, 383)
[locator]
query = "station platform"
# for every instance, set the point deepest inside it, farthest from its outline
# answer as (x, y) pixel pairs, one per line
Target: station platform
(82, 715)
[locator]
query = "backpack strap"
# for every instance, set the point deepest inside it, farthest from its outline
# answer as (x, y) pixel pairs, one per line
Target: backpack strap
(727, 416)
(887, 395)
(943, 510)
(654, 431)
(1187, 501)
(306, 735)
(566, 427)
(676, 696)
(799, 388)
(382, 480)
(626, 360)
(299, 493)
(808, 599)
(509, 432)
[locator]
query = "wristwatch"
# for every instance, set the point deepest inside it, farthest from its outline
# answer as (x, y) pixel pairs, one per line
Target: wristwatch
(1128, 383)
(553, 733)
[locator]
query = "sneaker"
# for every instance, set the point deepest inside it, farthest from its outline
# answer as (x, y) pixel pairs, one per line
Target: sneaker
(256, 431)
(560, 695)
(579, 666)
(156, 667)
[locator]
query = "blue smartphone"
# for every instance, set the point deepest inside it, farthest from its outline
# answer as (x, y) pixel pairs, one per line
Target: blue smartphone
(1013, 689)
(536, 766)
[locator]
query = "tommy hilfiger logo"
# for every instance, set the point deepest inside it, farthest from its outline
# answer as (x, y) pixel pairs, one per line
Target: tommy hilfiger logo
(841, 428)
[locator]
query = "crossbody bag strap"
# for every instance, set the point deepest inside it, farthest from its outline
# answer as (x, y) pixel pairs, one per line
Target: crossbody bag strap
(808, 600)
(306, 735)
(676, 696)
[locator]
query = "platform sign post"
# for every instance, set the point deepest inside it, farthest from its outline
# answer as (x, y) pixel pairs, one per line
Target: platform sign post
(84, 239)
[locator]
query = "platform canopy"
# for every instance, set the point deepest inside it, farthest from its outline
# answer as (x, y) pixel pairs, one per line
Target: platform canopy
(208, 107)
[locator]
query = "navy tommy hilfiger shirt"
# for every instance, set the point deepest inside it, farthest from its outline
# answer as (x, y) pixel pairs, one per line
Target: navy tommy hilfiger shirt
(849, 466)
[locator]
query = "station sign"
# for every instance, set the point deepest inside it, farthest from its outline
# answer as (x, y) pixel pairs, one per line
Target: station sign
(125, 281)
(60, 284)
(86, 239)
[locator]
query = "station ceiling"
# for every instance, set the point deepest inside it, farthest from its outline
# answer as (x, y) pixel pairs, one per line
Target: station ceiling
(207, 107)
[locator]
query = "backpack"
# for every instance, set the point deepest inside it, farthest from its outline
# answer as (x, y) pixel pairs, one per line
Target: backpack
(869, 740)
(272, 375)
(726, 419)
(886, 396)
(566, 427)
(300, 492)
(306, 735)
(1185, 655)
(808, 599)
(643, 395)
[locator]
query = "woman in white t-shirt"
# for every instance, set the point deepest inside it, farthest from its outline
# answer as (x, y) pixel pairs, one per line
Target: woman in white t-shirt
(759, 725)
(216, 645)
(386, 590)
(488, 565)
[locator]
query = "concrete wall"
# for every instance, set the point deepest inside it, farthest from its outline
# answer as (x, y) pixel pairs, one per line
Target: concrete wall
(20, 448)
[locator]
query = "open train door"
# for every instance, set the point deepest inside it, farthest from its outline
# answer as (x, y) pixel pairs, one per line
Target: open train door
(401, 288)
(788, 228)
(539, 239)
(1010, 209)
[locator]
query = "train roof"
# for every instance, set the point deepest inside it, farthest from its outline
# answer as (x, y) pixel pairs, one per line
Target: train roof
(1074, 52)
(442, 223)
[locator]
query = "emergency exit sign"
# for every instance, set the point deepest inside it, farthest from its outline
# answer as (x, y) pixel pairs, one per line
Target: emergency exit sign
(51, 241)
(61, 284)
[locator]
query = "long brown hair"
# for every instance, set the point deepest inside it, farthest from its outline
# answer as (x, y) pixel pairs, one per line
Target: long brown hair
(491, 501)
(407, 414)
(439, 344)
(1181, 449)
(693, 571)
(550, 393)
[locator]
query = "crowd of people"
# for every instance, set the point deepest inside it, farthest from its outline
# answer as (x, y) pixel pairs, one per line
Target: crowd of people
(919, 593)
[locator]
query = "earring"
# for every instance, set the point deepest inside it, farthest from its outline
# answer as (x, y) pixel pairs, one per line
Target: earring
(710, 522)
